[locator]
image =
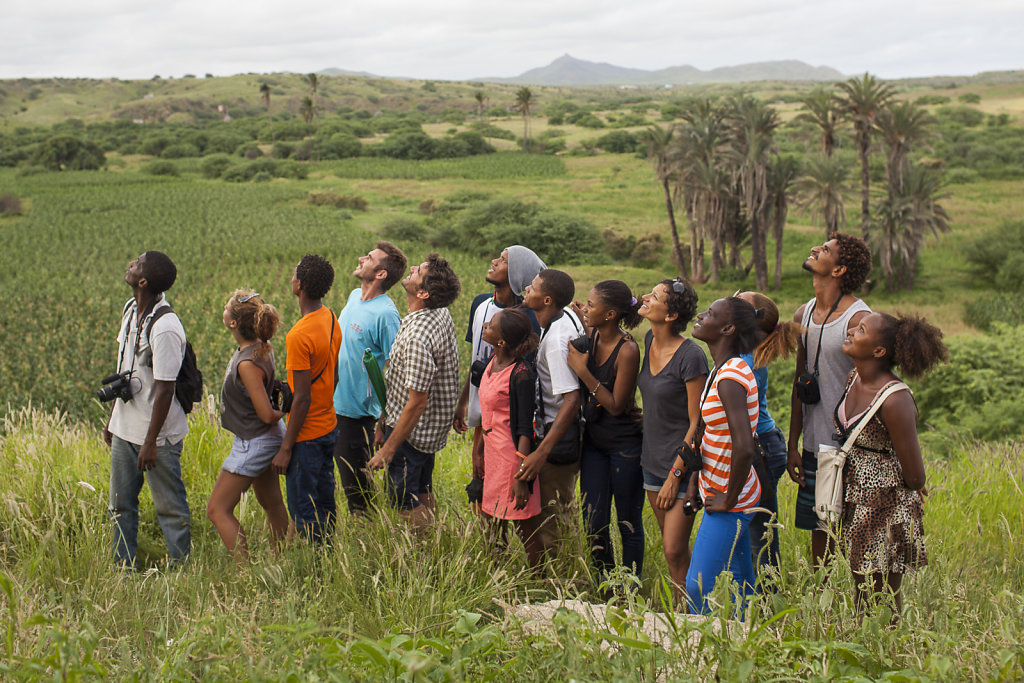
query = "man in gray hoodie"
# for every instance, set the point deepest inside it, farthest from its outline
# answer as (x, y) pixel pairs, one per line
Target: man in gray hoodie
(509, 273)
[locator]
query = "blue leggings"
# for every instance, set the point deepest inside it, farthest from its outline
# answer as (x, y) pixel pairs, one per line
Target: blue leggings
(723, 543)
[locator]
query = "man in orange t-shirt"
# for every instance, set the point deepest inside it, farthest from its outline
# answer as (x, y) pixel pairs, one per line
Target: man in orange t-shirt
(306, 456)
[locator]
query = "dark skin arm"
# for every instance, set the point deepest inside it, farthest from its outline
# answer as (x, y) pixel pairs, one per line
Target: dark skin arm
(566, 415)
(252, 377)
(301, 400)
(900, 417)
(794, 459)
(734, 400)
(161, 405)
(627, 367)
(520, 493)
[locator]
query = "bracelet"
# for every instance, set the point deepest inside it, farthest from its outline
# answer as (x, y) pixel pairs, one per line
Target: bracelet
(593, 392)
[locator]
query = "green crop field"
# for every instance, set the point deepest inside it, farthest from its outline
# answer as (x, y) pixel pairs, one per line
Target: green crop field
(384, 604)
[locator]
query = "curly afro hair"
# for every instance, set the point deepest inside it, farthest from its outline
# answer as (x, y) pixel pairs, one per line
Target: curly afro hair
(159, 271)
(316, 275)
(856, 256)
(912, 343)
(681, 300)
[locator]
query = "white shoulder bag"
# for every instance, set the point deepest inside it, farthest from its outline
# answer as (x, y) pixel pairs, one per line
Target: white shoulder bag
(828, 487)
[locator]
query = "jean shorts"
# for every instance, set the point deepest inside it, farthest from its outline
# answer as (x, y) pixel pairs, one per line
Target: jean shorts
(251, 457)
(653, 482)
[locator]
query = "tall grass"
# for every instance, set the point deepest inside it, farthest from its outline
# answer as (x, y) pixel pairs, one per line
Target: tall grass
(385, 603)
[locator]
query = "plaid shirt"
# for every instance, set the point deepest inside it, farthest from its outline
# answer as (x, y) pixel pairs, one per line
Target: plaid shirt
(425, 357)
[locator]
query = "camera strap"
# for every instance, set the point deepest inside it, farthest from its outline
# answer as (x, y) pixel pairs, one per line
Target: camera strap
(821, 333)
(138, 333)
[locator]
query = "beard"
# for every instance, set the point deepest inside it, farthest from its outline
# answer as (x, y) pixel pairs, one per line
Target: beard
(807, 266)
(497, 283)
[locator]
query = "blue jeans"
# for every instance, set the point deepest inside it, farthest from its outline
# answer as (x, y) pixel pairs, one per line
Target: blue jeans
(760, 534)
(723, 543)
(169, 499)
(603, 477)
(309, 485)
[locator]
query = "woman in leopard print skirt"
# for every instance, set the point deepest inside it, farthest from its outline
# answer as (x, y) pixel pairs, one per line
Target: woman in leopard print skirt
(884, 473)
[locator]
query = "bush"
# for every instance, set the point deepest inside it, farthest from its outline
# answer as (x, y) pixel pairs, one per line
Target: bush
(996, 254)
(924, 100)
(617, 142)
(491, 131)
(245, 171)
(9, 204)
(65, 152)
(338, 201)
(975, 392)
(408, 145)
(161, 167)
(965, 116)
(215, 164)
(403, 229)
(282, 150)
(958, 176)
(630, 121)
(180, 150)
(249, 150)
(969, 98)
(341, 146)
(618, 246)
(589, 121)
(649, 250)
(262, 177)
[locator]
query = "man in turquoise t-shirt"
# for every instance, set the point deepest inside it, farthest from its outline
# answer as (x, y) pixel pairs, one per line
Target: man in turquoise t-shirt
(368, 321)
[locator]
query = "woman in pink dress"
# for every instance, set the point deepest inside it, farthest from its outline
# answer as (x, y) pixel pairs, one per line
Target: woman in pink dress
(507, 405)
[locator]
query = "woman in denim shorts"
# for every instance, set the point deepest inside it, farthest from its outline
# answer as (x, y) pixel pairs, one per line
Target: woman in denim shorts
(246, 411)
(776, 340)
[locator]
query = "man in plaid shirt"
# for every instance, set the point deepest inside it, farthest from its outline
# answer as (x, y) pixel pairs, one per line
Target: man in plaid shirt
(422, 389)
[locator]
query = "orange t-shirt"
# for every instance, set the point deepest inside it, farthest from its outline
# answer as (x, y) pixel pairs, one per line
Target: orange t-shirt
(310, 347)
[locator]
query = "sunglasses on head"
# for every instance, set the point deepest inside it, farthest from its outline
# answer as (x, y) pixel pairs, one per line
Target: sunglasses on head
(243, 299)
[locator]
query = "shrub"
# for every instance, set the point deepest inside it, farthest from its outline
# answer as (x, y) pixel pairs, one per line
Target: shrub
(153, 146)
(965, 116)
(160, 167)
(262, 177)
(215, 164)
(9, 204)
(969, 98)
(408, 145)
(179, 150)
(249, 150)
(932, 99)
(403, 229)
(589, 121)
(65, 152)
(995, 250)
(338, 201)
(630, 121)
(957, 176)
(341, 146)
(617, 245)
(282, 150)
(649, 250)
(617, 142)
(427, 206)
(491, 131)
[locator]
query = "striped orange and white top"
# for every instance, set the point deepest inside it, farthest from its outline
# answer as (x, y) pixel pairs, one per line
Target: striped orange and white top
(716, 447)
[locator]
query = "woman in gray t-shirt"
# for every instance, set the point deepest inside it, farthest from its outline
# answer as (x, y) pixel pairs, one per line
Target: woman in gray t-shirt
(671, 379)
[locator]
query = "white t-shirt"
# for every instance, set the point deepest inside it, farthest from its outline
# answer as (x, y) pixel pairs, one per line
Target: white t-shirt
(481, 350)
(554, 375)
(130, 420)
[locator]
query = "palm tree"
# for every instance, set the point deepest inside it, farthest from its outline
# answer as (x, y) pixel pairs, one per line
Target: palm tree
(659, 142)
(481, 99)
(307, 109)
(713, 206)
(753, 124)
(265, 96)
(524, 100)
(903, 126)
(782, 174)
(314, 84)
(821, 109)
(861, 100)
(823, 189)
(904, 220)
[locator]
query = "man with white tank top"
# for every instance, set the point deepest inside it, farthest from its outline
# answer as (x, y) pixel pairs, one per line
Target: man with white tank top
(839, 268)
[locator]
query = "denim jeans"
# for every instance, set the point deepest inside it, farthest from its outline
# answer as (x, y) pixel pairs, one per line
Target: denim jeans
(309, 485)
(169, 500)
(775, 448)
(604, 477)
(723, 543)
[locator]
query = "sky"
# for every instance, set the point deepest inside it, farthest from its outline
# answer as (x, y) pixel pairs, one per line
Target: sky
(467, 39)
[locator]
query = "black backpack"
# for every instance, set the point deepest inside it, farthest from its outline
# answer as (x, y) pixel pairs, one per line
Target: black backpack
(188, 387)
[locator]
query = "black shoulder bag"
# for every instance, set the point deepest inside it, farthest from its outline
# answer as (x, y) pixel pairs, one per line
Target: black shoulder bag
(806, 383)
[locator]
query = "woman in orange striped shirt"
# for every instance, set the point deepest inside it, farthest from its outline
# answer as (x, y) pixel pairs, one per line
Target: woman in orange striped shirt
(727, 482)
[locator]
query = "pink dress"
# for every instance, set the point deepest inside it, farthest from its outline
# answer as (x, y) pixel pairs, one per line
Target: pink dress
(500, 460)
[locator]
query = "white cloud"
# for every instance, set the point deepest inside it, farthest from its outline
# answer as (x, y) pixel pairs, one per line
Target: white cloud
(461, 39)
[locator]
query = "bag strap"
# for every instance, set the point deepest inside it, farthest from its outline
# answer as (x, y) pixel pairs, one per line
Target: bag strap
(330, 345)
(872, 409)
(821, 334)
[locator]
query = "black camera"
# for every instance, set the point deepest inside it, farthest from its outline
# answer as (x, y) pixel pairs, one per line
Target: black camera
(807, 389)
(691, 507)
(118, 385)
(476, 371)
(691, 460)
(281, 396)
(581, 343)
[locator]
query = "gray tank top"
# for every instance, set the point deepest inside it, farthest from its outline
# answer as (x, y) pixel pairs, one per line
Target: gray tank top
(237, 413)
(833, 368)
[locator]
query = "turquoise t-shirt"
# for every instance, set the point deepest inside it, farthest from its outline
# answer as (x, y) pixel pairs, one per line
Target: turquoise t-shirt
(765, 423)
(364, 325)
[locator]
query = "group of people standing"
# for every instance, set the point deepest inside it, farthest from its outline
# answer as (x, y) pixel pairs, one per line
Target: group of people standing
(551, 400)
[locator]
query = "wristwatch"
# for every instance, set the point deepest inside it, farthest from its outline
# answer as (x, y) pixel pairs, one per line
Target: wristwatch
(677, 473)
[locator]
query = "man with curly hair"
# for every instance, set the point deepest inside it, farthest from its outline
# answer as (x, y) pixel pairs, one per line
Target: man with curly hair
(306, 453)
(838, 269)
(422, 387)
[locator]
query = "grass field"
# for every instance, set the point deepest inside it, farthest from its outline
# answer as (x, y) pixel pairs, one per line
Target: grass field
(382, 604)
